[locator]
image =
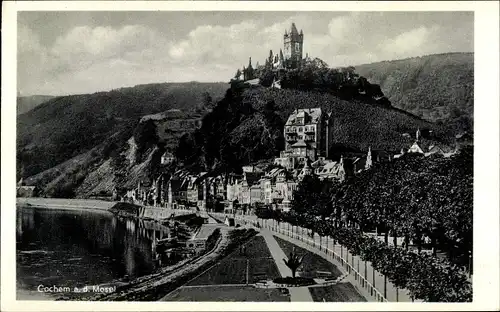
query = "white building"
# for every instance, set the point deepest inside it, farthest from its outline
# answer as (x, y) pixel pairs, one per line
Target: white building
(307, 135)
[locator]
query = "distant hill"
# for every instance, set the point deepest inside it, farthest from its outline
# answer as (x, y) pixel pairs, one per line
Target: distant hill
(436, 87)
(27, 103)
(82, 131)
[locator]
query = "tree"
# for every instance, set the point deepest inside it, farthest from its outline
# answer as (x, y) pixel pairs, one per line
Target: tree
(266, 76)
(207, 101)
(145, 135)
(294, 261)
(312, 197)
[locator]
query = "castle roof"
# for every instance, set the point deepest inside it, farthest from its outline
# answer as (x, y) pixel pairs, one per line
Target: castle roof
(311, 116)
(293, 30)
(294, 33)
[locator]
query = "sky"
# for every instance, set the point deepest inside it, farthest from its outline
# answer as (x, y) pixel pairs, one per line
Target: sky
(60, 53)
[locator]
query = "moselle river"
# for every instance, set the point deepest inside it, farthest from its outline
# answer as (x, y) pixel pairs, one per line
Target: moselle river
(77, 248)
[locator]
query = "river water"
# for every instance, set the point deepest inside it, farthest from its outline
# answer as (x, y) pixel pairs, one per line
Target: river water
(75, 248)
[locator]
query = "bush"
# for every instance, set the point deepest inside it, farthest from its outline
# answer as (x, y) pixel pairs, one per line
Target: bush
(297, 281)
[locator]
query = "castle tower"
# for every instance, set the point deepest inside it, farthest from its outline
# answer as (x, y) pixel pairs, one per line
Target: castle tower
(293, 47)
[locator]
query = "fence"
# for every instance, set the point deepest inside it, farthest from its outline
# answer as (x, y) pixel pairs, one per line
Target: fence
(327, 246)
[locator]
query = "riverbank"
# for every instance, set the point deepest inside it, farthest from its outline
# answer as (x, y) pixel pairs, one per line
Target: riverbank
(64, 203)
(155, 286)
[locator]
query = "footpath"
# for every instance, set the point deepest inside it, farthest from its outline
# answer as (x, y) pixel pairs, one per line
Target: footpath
(297, 294)
(370, 283)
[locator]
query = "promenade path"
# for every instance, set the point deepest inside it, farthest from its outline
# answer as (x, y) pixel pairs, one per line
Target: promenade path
(361, 273)
(297, 294)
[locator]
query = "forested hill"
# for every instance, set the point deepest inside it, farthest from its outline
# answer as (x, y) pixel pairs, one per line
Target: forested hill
(247, 126)
(64, 127)
(27, 103)
(356, 125)
(436, 87)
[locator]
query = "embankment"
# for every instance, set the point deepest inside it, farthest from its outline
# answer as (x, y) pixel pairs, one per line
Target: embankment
(147, 212)
(63, 203)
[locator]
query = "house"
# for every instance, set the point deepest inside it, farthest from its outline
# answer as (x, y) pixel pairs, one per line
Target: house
(167, 158)
(233, 188)
(415, 149)
(249, 180)
(23, 190)
(256, 194)
(249, 169)
(217, 187)
(336, 171)
(285, 186)
(192, 191)
(306, 170)
(176, 191)
(307, 135)
(268, 184)
(143, 193)
(441, 150)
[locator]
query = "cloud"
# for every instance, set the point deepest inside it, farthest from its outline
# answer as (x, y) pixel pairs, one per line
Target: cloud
(210, 43)
(92, 58)
(418, 39)
(27, 40)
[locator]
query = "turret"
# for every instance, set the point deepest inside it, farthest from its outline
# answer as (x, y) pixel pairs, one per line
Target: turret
(368, 163)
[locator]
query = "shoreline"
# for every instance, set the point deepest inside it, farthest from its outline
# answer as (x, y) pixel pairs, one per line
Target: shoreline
(65, 204)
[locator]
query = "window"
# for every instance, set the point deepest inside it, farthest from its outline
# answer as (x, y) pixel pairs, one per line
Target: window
(300, 129)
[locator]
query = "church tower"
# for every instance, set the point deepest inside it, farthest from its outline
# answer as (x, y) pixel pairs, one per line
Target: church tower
(293, 47)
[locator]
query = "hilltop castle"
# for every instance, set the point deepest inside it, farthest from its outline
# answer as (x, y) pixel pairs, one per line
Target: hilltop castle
(291, 58)
(293, 47)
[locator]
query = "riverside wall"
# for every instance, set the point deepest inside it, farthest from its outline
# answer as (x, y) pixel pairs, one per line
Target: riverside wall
(162, 213)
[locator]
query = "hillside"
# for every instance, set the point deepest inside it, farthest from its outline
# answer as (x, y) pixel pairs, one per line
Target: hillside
(356, 125)
(27, 103)
(247, 126)
(81, 132)
(87, 144)
(435, 87)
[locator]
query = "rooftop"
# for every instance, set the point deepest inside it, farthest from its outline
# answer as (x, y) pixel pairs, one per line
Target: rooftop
(310, 116)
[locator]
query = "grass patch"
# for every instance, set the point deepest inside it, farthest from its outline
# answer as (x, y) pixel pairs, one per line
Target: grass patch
(343, 292)
(228, 293)
(313, 265)
(254, 258)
